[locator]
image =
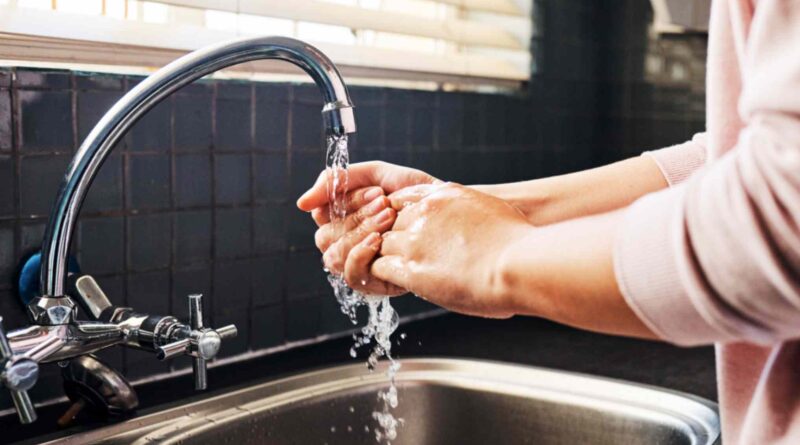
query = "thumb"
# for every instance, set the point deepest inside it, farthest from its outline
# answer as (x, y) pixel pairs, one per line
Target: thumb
(317, 195)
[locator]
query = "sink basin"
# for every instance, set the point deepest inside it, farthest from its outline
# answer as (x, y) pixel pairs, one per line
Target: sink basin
(443, 401)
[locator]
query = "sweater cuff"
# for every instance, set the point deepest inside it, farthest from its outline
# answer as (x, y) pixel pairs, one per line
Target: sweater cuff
(646, 254)
(678, 162)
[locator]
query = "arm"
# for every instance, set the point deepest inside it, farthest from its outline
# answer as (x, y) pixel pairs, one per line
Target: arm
(559, 198)
(729, 239)
(546, 200)
(603, 189)
(564, 272)
(503, 265)
(715, 259)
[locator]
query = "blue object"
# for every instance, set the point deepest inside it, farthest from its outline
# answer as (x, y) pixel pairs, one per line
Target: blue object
(28, 284)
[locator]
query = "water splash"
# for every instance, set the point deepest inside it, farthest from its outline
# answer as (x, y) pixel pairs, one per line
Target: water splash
(383, 320)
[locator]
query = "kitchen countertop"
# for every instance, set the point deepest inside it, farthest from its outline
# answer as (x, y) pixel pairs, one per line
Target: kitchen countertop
(520, 340)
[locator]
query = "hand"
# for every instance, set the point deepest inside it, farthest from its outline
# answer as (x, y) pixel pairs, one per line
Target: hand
(445, 246)
(388, 177)
(368, 212)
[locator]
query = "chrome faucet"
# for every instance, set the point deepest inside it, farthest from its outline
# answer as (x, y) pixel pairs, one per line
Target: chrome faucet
(55, 334)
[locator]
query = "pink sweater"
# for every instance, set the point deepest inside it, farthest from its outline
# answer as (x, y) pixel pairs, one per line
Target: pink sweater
(716, 257)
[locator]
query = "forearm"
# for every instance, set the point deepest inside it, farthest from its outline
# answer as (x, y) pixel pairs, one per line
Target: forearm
(603, 189)
(564, 272)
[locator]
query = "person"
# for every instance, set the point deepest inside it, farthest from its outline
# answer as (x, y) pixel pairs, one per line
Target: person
(693, 244)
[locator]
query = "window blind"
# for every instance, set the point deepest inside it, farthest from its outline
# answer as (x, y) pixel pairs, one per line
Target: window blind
(438, 40)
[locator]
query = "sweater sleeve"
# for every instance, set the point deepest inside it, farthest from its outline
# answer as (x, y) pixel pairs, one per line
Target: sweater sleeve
(678, 162)
(717, 258)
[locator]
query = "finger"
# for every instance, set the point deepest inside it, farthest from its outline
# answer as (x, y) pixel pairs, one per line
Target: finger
(356, 268)
(411, 218)
(359, 175)
(374, 173)
(394, 243)
(329, 233)
(335, 256)
(404, 197)
(321, 216)
(393, 270)
(317, 195)
(355, 200)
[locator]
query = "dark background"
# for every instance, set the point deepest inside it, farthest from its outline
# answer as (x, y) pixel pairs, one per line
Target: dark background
(199, 195)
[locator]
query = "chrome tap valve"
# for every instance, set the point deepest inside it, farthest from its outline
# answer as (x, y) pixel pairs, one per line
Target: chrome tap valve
(197, 341)
(19, 372)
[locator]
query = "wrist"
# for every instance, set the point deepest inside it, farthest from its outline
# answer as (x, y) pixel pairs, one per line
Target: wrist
(506, 280)
(531, 198)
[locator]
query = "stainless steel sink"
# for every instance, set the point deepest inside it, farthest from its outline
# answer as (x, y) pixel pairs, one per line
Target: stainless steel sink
(442, 401)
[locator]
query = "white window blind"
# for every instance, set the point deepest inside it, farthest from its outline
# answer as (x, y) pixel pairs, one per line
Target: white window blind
(475, 41)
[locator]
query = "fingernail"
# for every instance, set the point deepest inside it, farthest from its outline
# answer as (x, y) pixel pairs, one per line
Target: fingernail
(375, 206)
(384, 216)
(372, 193)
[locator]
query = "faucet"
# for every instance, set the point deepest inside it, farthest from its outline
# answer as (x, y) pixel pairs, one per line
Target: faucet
(55, 335)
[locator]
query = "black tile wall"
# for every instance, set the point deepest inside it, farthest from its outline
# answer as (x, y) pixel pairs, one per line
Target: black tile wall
(199, 196)
(39, 179)
(232, 233)
(192, 236)
(8, 205)
(192, 185)
(153, 131)
(149, 181)
(271, 326)
(269, 228)
(271, 177)
(5, 118)
(235, 189)
(193, 120)
(45, 118)
(149, 241)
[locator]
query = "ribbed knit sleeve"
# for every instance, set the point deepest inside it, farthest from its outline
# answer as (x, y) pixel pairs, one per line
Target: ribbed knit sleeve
(678, 162)
(717, 257)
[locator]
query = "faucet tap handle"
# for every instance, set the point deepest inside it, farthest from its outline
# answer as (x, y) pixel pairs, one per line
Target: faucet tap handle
(198, 341)
(18, 373)
(89, 294)
(208, 346)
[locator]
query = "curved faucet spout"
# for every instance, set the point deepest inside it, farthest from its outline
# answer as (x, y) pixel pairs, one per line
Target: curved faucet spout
(337, 116)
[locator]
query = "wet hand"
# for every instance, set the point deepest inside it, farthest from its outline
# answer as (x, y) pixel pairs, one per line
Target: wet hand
(368, 212)
(445, 246)
(388, 177)
(343, 244)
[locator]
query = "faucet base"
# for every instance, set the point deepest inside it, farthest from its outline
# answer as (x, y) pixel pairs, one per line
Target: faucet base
(52, 311)
(28, 282)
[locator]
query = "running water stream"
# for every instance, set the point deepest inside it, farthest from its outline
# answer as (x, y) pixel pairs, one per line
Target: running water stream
(383, 319)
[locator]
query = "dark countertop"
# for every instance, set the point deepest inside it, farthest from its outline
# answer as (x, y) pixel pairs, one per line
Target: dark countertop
(519, 340)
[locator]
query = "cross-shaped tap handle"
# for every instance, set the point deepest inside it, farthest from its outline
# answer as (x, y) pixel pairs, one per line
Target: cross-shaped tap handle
(18, 373)
(200, 342)
(209, 342)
